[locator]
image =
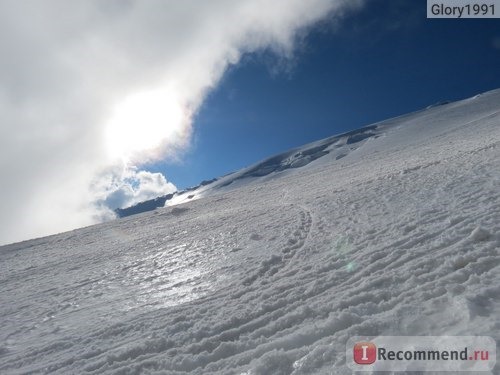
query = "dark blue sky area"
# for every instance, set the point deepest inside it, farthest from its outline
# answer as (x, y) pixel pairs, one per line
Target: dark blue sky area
(385, 60)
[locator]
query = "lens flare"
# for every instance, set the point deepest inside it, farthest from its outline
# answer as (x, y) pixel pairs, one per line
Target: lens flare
(351, 266)
(143, 122)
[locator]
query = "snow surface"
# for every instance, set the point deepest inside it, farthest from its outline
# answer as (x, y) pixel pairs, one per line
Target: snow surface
(276, 266)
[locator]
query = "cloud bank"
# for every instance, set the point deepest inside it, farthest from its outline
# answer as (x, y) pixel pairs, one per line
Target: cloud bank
(91, 89)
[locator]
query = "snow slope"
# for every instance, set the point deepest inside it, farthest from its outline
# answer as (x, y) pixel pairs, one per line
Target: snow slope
(275, 267)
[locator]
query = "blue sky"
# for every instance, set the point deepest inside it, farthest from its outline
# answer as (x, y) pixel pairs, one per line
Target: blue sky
(382, 61)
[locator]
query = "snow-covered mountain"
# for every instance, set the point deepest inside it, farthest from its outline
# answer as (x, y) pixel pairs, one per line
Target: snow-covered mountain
(390, 230)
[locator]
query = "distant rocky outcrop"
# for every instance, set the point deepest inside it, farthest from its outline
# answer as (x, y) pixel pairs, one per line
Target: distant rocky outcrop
(145, 206)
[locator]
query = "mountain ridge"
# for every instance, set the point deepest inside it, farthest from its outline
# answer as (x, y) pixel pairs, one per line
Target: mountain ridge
(296, 157)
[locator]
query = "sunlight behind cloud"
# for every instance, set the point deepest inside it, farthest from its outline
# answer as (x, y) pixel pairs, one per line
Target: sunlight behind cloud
(143, 122)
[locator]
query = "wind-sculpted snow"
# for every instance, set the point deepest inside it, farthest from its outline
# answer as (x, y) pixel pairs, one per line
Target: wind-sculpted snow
(399, 237)
(339, 146)
(307, 154)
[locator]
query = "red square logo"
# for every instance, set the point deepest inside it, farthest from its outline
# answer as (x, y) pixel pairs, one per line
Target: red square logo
(365, 353)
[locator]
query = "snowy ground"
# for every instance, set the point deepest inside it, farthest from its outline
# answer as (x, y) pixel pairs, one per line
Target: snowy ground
(272, 274)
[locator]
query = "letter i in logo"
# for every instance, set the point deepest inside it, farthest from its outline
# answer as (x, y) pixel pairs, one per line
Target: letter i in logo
(365, 353)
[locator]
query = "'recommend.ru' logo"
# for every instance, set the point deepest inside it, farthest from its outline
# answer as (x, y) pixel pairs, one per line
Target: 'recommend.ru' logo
(365, 353)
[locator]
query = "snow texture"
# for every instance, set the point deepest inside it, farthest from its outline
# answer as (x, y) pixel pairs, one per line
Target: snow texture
(390, 230)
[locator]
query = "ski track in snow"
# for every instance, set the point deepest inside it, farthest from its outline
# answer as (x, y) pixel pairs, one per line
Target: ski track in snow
(399, 237)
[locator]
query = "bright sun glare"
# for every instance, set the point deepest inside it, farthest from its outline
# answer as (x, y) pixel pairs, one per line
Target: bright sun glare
(144, 121)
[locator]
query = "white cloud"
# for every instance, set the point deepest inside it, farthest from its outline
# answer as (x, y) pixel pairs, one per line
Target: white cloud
(125, 188)
(67, 67)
